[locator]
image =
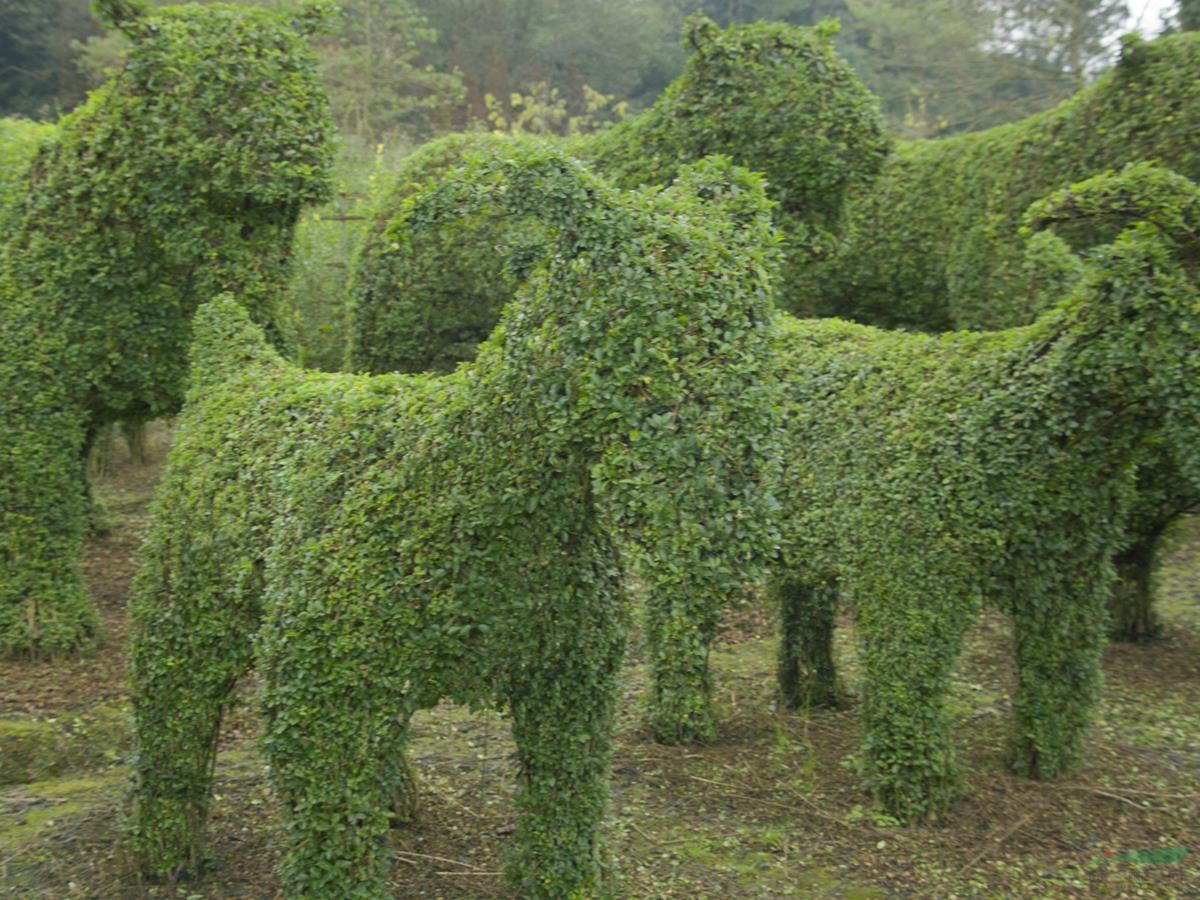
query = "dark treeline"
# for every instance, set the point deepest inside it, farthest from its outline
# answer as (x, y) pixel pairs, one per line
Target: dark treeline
(416, 68)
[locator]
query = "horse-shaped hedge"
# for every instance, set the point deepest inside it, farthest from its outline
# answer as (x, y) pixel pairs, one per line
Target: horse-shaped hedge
(935, 243)
(926, 474)
(181, 177)
(380, 542)
(774, 98)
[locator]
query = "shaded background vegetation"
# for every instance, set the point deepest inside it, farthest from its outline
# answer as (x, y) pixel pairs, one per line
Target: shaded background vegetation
(408, 69)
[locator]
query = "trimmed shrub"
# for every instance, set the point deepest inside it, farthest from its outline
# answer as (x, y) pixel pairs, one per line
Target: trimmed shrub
(19, 141)
(181, 177)
(927, 473)
(935, 244)
(379, 542)
(410, 317)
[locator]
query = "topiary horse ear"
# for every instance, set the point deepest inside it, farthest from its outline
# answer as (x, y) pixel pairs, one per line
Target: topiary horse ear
(316, 16)
(123, 15)
(699, 29)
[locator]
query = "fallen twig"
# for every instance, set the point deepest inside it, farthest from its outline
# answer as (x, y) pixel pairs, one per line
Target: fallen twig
(453, 862)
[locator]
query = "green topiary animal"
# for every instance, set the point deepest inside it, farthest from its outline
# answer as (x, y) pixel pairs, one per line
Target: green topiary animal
(405, 317)
(381, 542)
(775, 98)
(926, 474)
(181, 177)
(935, 243)
(19, 141)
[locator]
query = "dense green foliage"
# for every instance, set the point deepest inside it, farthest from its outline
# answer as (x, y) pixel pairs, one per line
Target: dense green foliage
(181, 177)
(427, 306)
(928, 473)
(936, 243)
(774, 98)
(19, 141)
(395, 539)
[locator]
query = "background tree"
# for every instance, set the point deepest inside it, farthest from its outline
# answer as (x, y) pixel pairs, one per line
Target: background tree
(1069, 41)
(38, 77)
(1188, 15)
(623, 48)
(375, 71)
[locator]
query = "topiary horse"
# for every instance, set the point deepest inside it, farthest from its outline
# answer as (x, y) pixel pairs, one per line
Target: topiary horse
(392, 540)
(775, 98)
(925, 474)
(181, 177)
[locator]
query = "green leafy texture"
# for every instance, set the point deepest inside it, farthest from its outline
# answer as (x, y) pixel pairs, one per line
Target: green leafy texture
(428, 305)
(379, 542)
(936, 243)
(19, 141)
(774, 98)
(181, 177)
(926, 473)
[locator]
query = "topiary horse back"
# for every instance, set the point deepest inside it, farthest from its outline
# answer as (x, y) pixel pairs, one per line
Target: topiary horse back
(926, 474)
(183, 176)
(393, 540)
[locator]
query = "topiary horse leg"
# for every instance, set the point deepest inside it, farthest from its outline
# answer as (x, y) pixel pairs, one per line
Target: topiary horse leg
(405, 794)
(1131, 603)
(189, 652)
(562, 722)
(679, 632)
(1059, 635)
(334, 735)
(807, 677)
(910, 645)
(44, 607)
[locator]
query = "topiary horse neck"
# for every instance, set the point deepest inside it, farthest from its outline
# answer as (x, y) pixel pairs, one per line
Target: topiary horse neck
(181, 177)
(395, 539)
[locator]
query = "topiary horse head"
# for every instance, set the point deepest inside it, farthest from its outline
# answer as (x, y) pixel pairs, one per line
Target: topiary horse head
(392, 540)
(180, 177)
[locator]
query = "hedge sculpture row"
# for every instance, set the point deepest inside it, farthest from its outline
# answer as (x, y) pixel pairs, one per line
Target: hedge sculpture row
(774, 98)
(926, 474)
(181, 177)
(379, 542)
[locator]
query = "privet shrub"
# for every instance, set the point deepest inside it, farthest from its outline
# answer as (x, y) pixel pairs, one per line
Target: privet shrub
(384, 541)
(774, 98)
(926, 473)
(936, 244)
(19, 141)
(181, 177)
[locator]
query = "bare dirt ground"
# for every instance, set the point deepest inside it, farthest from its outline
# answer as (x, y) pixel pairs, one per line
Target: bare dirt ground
(770, 809)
